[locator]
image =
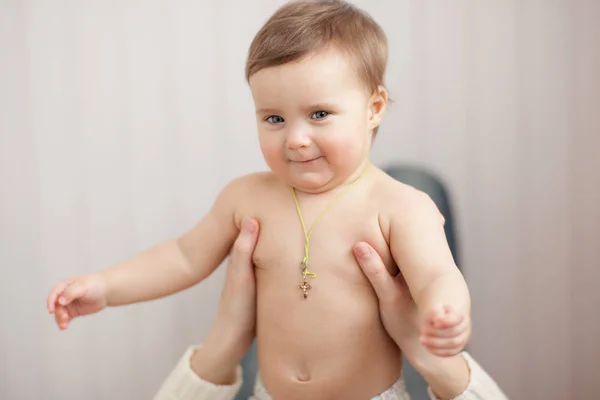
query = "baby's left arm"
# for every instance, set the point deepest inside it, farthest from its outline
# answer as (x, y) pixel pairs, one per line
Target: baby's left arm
(420, 249)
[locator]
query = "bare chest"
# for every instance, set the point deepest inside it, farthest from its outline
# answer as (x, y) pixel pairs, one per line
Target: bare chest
(328, 251)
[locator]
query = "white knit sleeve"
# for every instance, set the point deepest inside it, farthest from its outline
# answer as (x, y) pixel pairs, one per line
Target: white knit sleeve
(481, 385)
(183, 384)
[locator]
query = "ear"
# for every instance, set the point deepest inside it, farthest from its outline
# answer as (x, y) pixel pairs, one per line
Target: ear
(377, 106)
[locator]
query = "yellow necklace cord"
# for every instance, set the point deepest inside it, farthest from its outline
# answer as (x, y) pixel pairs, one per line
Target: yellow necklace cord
(307, 236)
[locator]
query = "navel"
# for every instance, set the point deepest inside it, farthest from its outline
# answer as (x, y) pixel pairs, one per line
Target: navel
(302, 372)
(303, 376)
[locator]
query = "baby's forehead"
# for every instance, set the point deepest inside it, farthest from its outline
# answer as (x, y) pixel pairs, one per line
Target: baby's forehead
(319, 74)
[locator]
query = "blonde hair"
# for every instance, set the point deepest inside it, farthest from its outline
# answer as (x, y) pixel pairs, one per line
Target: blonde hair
(302, 27)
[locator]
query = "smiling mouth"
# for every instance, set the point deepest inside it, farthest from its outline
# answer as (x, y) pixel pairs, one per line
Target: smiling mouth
(307, 161)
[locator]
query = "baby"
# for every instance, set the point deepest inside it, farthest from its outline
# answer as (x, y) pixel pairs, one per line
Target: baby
(316, 72)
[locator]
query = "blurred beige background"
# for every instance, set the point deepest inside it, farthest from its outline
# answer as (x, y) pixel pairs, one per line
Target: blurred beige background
(120, 121)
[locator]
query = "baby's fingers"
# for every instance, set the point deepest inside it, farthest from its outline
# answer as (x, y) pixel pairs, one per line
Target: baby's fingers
(446, 346)
(54, 293)
(451, 331)
(61, 316)
(448, 319)
(72, 292)
(445, 342)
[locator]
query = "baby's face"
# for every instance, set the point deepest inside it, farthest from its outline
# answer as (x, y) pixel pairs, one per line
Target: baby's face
(315, 119)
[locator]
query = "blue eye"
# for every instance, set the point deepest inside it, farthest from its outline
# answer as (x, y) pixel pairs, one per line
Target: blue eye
(319, 114)
(274, 119)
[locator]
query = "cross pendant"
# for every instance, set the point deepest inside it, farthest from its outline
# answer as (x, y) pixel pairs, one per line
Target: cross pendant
(305, 288)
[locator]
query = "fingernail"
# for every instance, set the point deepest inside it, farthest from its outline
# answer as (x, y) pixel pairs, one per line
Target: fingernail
(248, 226)
(62, 301)
(362, 250)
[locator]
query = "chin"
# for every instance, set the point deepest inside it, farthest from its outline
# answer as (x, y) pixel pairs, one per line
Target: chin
(317, 183)
(308, 181)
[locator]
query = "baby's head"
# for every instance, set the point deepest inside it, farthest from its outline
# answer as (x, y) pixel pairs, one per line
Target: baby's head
(316, 71)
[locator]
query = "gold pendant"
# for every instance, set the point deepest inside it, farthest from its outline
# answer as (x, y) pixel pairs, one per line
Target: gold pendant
(305, 287)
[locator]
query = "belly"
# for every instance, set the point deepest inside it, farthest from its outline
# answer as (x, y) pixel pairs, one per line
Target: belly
(330, 345)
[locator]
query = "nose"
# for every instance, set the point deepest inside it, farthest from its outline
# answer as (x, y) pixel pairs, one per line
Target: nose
(298, 137)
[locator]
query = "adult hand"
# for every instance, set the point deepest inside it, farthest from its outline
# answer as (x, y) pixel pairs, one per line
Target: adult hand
(447, 376)
(234, 329)
(397, 308)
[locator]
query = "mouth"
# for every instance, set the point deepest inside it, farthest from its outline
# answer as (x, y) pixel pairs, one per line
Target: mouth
(307, 162)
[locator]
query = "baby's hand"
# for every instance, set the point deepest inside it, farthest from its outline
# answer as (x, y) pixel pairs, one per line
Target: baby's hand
(76, 297)
(445, 331)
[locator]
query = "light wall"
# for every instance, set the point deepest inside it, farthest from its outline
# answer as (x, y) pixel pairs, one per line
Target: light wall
(120, 121)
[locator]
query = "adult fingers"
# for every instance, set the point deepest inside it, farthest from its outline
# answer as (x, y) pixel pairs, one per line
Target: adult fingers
(243, 247)
(373, 267)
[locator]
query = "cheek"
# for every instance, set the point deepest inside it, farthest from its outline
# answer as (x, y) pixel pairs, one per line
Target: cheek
(347, 148)
(346, 144)
(270, 146)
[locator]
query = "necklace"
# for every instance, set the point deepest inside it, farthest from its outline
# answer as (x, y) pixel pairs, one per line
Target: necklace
(305, 286)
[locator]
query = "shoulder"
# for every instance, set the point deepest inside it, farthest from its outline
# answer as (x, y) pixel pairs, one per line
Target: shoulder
(240, 195)
(401, 204)
(248, 184)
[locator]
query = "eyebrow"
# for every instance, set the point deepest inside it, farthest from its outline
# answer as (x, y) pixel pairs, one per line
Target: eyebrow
(321, 106)
(316, 106)
(266, 111)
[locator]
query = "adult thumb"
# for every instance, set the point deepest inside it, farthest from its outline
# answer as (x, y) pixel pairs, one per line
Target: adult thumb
(243, 246)
(373, 267)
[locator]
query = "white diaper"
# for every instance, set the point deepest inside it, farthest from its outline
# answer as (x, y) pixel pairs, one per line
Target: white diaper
(395, 392)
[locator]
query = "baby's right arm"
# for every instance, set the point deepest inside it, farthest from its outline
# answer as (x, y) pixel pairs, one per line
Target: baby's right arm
(164, 269)
(177, 264)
